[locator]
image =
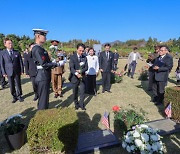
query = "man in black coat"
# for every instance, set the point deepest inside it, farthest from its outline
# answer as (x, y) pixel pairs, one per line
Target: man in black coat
(162, 67)
(116, 57)
(106, 65)
(31, 70)
(12, 67)
(78, 66)
(44, 65)
(3, 82)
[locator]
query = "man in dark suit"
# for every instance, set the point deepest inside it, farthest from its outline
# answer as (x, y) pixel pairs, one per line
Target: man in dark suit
(162, 66)
(78, 66)
(3, 82)
(150, 61)
(116, 57)
(106, 65)
(12, 67)
(31, 70)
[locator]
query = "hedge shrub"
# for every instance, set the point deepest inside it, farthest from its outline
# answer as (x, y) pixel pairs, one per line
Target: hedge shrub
(172, 95)
(53, 130)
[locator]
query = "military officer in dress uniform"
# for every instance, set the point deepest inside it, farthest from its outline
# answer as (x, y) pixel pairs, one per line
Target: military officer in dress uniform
(44, 65)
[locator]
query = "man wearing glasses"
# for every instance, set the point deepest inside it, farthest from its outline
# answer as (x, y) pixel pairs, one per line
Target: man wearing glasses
(162, 66)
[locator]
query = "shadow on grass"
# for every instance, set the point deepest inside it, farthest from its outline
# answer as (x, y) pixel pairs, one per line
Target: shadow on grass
(25, 80)
(86, 124)
(172, 141)
(172, 81)
(28, 95)
(144, 86)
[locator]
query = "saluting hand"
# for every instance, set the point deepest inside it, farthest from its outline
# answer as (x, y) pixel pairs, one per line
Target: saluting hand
(5, 75)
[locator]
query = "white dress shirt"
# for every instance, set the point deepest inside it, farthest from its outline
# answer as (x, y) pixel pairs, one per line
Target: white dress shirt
(93, 65)
(134, 57)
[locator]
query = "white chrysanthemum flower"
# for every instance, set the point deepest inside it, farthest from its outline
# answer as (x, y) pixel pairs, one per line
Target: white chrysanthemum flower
(143, 126)
(136, 134)
(128, 140)
(148, 147)
(145, 137)
(128, 148)
(138, 142)
(154, 147)
(124, 144)
(143, 152)
(11, 117)
(81, 63)
(132, 147)
(154, 137)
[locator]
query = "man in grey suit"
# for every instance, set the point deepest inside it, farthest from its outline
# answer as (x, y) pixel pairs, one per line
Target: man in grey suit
(106, 65)
(132, 61)
(162, 66)
(12, 68)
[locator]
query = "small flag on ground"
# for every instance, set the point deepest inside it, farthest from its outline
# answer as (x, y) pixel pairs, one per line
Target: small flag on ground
(168, 111)
(105, 119)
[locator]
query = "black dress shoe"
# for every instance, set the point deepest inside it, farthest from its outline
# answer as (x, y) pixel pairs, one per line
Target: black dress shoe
(35, 98)
(60, 95)
(83, 108)
(14, 100)
(76, 107)
(103, 91)
(21, 99)
(158, 103)
(56, 96)
(109, 91)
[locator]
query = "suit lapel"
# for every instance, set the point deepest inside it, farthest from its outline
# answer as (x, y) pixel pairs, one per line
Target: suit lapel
(8, 56)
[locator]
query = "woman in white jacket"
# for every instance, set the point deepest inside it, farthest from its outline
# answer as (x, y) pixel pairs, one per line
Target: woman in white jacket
(92, 72)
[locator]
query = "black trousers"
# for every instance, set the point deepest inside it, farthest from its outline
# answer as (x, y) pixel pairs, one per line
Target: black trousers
(106, 80)
(43, 94)
(158, 90)
(150, 80)
(90, 84)
(132, 68)
(79, 87)
(2, 81)
(34, 85)
(15, 85)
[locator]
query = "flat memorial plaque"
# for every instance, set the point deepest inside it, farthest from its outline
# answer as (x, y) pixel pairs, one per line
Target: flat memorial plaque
(92, 141)
(165, 126)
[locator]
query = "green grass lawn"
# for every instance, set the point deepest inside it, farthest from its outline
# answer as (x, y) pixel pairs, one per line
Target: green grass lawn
(130, 91)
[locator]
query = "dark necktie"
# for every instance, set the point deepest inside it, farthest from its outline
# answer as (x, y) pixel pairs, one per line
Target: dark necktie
(107, 55)
(11, 54)
(80, 59)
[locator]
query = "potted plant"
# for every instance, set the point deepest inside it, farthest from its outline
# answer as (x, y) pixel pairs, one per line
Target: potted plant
(14, 131)
(126, 118)
(143, 139)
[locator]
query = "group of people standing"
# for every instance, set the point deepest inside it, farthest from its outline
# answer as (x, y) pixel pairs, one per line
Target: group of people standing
(84, 67)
